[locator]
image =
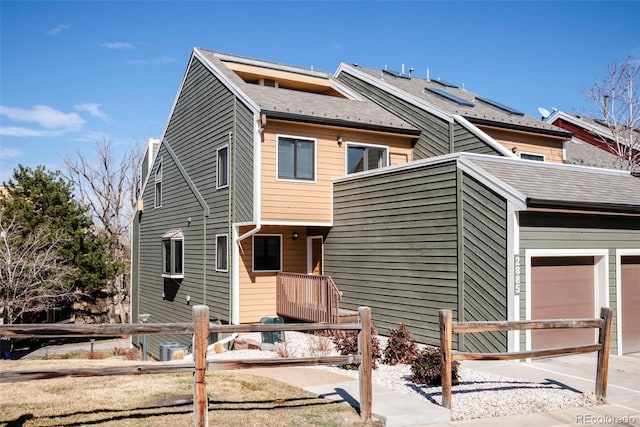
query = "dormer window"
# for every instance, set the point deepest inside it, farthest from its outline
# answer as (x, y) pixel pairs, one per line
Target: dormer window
(158, 181)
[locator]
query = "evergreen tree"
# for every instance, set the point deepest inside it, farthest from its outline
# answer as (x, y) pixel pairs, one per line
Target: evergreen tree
(40, 199)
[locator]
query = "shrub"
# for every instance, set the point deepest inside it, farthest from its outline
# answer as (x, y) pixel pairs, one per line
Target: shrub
(347, 343)
(427, 368)
(401, 347)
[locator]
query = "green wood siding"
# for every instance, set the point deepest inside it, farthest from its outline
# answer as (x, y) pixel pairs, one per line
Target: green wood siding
(571, 231)
(206, 117)
(242, 165)
(434, 139)
(465, 141)
(485, 263)
(437, 136)
(393, 247)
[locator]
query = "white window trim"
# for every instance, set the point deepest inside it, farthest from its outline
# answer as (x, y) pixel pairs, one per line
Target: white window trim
(174, 275)
(360, 144)
(315, 159)
(253, 253)
(601, 279)
(619, 254)
(544, 158)
(155, 184)
(227, 249)
(218, 186)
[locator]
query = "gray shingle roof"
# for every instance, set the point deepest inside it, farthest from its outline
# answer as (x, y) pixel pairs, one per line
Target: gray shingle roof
(480, 111)
(312, 106)
(555, 183)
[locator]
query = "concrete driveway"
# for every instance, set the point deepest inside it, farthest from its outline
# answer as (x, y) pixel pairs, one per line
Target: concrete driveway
(575, 371)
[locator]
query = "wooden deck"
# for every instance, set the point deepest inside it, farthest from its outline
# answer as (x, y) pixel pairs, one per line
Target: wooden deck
(311, 299)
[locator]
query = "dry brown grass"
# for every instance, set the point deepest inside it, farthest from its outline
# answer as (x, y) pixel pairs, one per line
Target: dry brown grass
(235, 399)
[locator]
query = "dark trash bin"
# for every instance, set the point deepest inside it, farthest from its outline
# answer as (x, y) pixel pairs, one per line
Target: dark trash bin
(5, 348)
(275, 336)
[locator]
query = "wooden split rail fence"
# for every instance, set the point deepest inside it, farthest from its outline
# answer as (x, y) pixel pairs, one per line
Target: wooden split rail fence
(448, 327)
(200, 328)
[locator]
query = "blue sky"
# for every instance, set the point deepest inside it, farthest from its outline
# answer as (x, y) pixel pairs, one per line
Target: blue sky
(74, 73)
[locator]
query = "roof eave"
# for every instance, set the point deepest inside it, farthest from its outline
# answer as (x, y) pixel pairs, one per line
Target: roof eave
(514, 126)
(593, 207)
(300, 118)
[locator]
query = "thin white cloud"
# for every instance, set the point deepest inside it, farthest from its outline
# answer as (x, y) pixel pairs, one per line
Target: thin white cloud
(25, 132)
(92, 137)
(164, 60)
(9, 153)
(56, 30)
(55, 122)
(93, 109)
(117, 45)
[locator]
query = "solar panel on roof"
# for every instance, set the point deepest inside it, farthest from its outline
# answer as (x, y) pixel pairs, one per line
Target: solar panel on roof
(445, 84)
(397, 74)
(500, 106)
(450, 97)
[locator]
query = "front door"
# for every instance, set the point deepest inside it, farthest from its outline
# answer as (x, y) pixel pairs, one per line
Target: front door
(314, 255)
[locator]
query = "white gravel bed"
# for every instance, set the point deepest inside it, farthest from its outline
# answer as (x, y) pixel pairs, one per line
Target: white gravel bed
(478, 395)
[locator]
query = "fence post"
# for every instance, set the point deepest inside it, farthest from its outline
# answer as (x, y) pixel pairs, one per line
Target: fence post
(445, 355)
(364, 346)
(603, 355)
(200, 343)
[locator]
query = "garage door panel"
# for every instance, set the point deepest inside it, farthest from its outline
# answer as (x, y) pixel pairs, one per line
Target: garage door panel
(630, 304)
(562, 288)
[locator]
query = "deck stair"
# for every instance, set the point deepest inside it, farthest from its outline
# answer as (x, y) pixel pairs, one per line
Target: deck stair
(310, 298)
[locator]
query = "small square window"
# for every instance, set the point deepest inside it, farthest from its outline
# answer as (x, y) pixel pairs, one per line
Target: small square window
(222, 179)
(267, 253)
(173, 255)
(222, 252)
(296, 159)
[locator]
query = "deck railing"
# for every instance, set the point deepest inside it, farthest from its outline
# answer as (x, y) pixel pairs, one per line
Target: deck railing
(307, 297)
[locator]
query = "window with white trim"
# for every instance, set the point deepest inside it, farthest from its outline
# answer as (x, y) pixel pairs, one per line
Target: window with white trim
(296, 158)
(532, 156)
(173, 254)
(222, 179)
(222, 252)
(267, 253)
(366, 157)
(158, 181)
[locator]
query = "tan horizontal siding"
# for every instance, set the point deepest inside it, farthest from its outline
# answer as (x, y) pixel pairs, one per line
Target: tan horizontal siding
(258, 290)
(549, 147)
(303, 201)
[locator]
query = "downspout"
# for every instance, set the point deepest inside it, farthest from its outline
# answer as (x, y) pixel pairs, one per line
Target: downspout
(257, 214)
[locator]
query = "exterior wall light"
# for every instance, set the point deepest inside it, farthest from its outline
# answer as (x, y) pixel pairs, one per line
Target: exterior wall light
(295, 235)
(340, 141)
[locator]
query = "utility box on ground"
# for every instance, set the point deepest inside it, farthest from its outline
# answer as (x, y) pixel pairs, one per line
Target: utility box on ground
(271, 338)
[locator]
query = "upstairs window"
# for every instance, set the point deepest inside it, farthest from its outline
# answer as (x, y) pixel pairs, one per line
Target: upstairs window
(222, 179)
(296, 158)
(158, 180)
(173, 254)
(366, 157)
(531, 156)
(221, 252)
(267, 253)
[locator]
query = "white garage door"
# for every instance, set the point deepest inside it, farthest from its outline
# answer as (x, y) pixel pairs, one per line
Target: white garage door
(562, 288)
(630, 303)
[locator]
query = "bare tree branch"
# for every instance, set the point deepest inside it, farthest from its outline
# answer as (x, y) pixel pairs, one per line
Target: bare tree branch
(107, 188)
(33, 274)
(617, 106)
